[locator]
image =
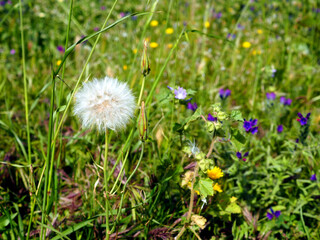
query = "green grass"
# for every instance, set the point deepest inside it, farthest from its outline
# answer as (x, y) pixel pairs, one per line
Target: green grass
(53, 177)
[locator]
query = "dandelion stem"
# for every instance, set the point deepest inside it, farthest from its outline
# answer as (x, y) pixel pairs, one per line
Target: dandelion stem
(141, 90)
(105, 170)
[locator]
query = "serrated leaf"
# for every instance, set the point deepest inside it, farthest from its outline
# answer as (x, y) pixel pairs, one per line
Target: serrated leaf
(205, 187)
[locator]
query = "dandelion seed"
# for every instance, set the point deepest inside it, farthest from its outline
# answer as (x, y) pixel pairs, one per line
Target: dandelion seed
(246, 45)
(154, 23)
(104, 103)
(154, 45)
(169, 31)
(215, 173)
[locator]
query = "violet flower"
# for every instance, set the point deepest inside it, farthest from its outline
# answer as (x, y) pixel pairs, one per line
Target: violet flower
(192, 106)
(60, 49)
(313, 177)
(303, 120)
(211, 118)
(275, 214)
(12, 51)
(180, 93)
(285, 101)
(271, 96)
(280, 128)
(249, 126)
(224, 93)
(243, 158)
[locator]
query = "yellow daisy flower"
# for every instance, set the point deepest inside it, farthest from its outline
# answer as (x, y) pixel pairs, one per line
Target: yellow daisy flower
(58, 62)
(154, 23)
(217, 187)
(154, 45)
(170, 45)
(125, 67)
(207, 24)
(135, 51)
(246, 44)
(233, 199)
(215, 173)
(259, 31)
(169, 31)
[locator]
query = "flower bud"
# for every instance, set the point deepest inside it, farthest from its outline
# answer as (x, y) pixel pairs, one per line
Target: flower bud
(143, 123)
(145, 64)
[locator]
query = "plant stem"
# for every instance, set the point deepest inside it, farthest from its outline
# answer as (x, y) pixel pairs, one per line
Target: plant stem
(105, 171)
(125, 185)
(141, 90)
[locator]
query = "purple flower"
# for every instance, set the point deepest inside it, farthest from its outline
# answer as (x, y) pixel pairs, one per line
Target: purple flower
(285, 101)
(2, 3)
(233, 36)
(224, 93)
(103, 7)
(96, 29)
(12, 51)
(192, 106)
(170, 88)
(239, 155)
(219, 15)
(280, 128)
(60, 49)
(249, 126)
(240, 27)
(313, 177)
(303, 120)
(122, 14)
(275, 214)
(273, 72)
(271, 96)
(211, 118)
(180, 93)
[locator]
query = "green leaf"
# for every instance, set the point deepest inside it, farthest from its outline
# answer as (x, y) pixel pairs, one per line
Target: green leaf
(4, 220)
(205, 187)
(236, 115)
(233, 208)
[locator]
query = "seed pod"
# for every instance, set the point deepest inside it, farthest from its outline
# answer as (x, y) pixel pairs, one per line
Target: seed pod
(145, 64)
(143, 123)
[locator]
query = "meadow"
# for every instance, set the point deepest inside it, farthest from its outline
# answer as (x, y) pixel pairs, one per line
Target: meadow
(160, 119)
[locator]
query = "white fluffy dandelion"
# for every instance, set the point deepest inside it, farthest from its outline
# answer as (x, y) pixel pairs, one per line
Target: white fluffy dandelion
(104, 104)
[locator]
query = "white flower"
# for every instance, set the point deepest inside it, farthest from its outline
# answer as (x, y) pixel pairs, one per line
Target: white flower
(104, 103)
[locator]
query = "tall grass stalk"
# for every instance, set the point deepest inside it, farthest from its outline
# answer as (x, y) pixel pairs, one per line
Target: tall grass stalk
(105, 172)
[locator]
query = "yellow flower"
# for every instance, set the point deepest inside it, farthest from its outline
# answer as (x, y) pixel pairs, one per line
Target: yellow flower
(246, 44)
(196, 191)
(259, 31)
(125, 67)
(217, 187)
(207, 24)
(59, 62)
(154, 44)
(170, 45)
(215, 173)
(233, 199)
(256, 52)
(154, 23)
(169, 30)
(135, 51)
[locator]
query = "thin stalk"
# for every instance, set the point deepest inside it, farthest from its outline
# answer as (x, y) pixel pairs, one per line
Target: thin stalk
(141, 90)
(105, 173)
(124, 188)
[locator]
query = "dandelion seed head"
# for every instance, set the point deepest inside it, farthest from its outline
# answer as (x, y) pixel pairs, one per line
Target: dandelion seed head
(104, 103)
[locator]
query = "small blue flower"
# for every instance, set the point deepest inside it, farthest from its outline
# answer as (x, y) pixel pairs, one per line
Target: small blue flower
(271, 96)
(250, 126)
(313, 177)
(192, 106)
(180, 93)
(211, 118)
(275, 214)
(224, 93)
(303, 120)
(239, 155)
(280, 128)
(285, 101)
